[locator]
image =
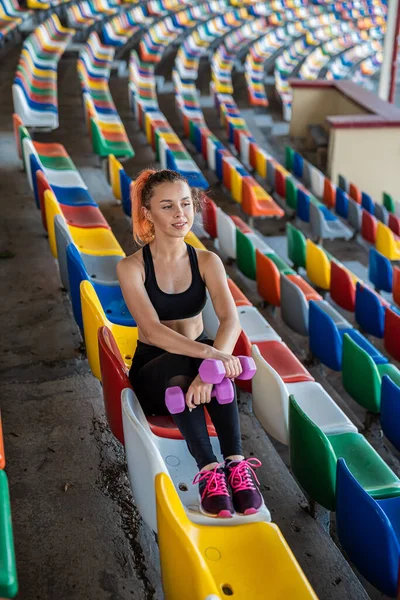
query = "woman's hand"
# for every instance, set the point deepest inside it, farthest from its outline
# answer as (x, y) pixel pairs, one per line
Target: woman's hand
(233, 367)
(198, 393)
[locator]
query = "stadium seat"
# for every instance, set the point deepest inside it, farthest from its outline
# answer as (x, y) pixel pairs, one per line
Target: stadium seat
(8, 570)
(342, 203)
(368, 227)
(391, 334)
(207, 562)
(280, 374)
(387, 242)
(148, 454)
(390, 410)
(394, 223)
(94, 317)
(295, 294)
(343, 288)
(318, 266)
(354, 215)
(396, 285)
(370, 310)
(381, 213)
(362, 374)
(388, 203)
(380, 271)
(314, 456)
(367, 203)
(296, 243)
(324, 225)
(209, 216)
(378, 562)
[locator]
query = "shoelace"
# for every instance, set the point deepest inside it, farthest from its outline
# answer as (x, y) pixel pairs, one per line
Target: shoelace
(216, 484)
(240, 475)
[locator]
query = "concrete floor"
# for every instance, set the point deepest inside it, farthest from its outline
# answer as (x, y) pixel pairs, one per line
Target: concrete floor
(77, 532)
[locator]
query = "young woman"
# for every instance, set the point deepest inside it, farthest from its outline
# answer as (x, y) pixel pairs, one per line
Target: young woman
(164, 285)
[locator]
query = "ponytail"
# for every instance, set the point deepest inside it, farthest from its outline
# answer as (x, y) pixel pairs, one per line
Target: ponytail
(143, 229)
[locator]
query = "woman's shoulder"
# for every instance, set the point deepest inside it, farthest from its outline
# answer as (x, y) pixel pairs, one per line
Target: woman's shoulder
(207, 260)
(131, 263)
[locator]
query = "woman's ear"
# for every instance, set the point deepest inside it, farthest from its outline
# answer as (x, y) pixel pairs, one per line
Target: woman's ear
(147, 214)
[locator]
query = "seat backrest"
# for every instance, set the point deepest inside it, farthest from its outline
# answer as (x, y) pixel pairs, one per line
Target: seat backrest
(246, 255)
(125, 185)
(380, 271)
(343, 289)
(296, 246)
(354, 215)
(317, 222)
(396, 285)
(325, 340)
(238, 296)
(303, 205)
(63, 239)
(226, 234)
(294, 306)
(209, 215)
(392, 332)
(52, 209)
(329, 197)
(368, 227)
(318, 265)
(388, 202)
(385, 241)
(342, 203)
(291, 193)
(360, 375)
(381, 213)
(354, 508)
(317, 182)
(298, 165)
(114, 378)
(369, 312)
(367, 203)
(76, 273)
(268, 279)
(355, 193)
(394, 223)
(114, 168)
(93, 317)
(312, 459)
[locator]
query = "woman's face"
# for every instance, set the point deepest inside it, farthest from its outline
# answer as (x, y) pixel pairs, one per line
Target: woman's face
(171, 209)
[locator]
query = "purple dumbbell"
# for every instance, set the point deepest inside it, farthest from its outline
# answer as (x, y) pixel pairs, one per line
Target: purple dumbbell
(175, 398)
(213, 371)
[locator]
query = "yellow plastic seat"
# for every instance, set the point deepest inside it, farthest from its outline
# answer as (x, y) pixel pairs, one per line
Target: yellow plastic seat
(261, 163)
(318, 266)
(386, 242)
(194, 241)
(237, 185)
(94, 240)
(248, 562)
(115, 167)
(93, 317)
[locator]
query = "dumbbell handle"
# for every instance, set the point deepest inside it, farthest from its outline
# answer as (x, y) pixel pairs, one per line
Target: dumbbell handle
(175, 397)
(213, 371)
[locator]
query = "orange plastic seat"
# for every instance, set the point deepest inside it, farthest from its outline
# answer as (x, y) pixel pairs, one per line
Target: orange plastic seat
(257, 202)
(355, 193)
(285, 363)
(343, 288)
(309, 292)
(51, 150)
(238, 296)
(329, 193)
(240, 224)
(268, 279)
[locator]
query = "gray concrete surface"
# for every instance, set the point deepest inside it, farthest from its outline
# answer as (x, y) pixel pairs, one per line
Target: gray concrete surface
(77, 532)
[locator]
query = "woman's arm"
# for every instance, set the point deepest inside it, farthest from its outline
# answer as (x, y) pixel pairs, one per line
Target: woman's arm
(223, 303)
(137, 300)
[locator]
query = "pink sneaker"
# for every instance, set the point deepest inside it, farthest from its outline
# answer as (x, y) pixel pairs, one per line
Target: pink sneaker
(215, 499)
(246, 496)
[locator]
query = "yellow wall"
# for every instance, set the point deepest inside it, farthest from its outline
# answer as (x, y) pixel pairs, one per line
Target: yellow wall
(368, 157)
(311, 106)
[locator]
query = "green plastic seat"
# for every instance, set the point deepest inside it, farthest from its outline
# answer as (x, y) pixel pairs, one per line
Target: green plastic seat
(8, 569)
(291, 193)
(388, 202)
(289, 157)
(57, 162)
(245, 255)
(280, 264)
(296, 242)
(314, 455)
(104, 148)
(362, 377)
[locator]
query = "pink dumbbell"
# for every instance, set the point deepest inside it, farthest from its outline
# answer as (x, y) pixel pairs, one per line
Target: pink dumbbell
(213, 371)
(175, 398)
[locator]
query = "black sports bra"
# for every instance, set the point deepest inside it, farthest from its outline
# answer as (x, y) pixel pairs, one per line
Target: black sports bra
(173, 307)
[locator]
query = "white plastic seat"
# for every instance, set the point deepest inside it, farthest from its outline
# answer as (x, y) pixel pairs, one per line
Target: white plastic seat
(316, 182)
(31, 117)
(226, 230)
(327, 230)
(147, 455)
(260, 244)
(255, 326)
(271, 402)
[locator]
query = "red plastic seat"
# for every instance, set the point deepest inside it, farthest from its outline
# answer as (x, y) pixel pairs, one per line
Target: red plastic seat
(394, 223)
(50, 149)
(309, 292)
(280, 183)
(115, 378)
(391, 336)
(240, 224)
(368, 227)
(343, 288)
(329, 193)
(84, 216)
(209, 215)
(396, 285)
(282, 359)
(268, 279)
(42, 185)
(238, 296)
(355, 193)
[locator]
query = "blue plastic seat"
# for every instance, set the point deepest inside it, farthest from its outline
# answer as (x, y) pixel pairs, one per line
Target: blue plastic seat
(73, 196)
(368, 531)
(369, 313)
(125, 182)
(298, 165)
(328, 215)
(367, 203)
(326, 338)
(110, 296)
(342, 203)
(303, 205)
(390, 411)
(380, 271)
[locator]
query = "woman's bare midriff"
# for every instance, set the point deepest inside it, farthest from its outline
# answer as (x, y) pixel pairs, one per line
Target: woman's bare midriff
(190, 328)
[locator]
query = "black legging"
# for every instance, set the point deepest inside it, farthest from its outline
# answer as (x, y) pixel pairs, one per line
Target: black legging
(154, 370)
